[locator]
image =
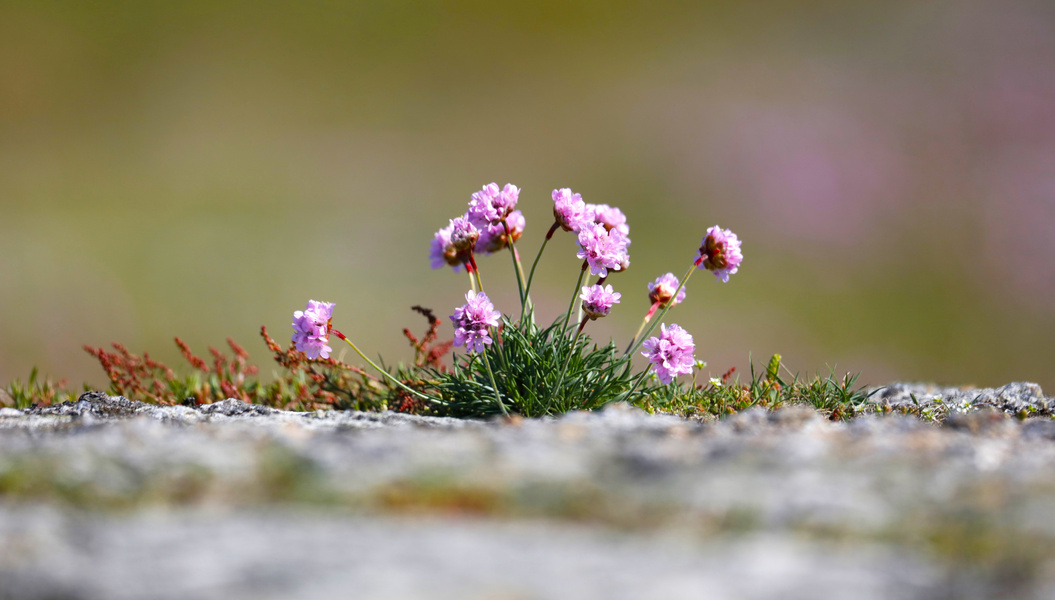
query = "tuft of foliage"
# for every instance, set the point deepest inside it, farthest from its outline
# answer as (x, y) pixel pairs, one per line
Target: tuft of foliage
(838, 398)
(527, 368)
(35, 391)
(301, 384)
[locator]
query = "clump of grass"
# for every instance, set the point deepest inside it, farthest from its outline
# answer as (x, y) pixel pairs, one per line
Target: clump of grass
(529, 361)
(36, 391)
(839, 398)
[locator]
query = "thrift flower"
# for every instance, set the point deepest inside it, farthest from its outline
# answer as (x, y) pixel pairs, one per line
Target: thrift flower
(473, 320)
(603, 250)
(597, 301)
(490, 206)
(609, 216)
(443, 251)
(662, 290)
(311, 329)
(569, 210)
(670, 353)
(720, 253)
(494, 237)
(463, 234)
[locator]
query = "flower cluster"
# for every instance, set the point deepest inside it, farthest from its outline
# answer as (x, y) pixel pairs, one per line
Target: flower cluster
(311, 329)
(720, 253)
(597, 301)
(490, 224)
(494, 238)
(473, 321)
(670, 353)
(490, 206)
(569, 210)
(661, 291)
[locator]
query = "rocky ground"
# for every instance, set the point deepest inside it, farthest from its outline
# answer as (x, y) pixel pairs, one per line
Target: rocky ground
(107, 498)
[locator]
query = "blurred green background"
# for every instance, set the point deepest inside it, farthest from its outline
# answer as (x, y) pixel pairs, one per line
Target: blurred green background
(202, 168)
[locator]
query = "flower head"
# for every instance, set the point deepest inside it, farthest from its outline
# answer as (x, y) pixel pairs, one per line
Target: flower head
(443, 251)
(602, 249)
(720, 253)
(311, 329)
(569, 210)
(491, 206)
(494, 238)
(597, 301)
(463, 235)
(662, 290)
(670, 353)
(473, 320)
(609, 216)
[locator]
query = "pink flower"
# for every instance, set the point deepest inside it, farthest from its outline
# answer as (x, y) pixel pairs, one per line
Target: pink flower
(494, 239)
(662, 290)
(602, 249)
(490, 206)
(569, 210)
(443, 251)
(720, 253)
(609, 216)
(463, 234)
(311, 329)
(473, 320)
(670, 353)
(597, 301)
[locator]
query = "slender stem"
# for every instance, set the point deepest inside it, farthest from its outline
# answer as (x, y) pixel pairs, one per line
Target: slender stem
(472, 280)
(476, 271)
(531, 275)
(516, 266)
(648, 317)
(567, 360)
(574, 295)
(494, 386)
(633, 389)
(663, 313)
(383, 372)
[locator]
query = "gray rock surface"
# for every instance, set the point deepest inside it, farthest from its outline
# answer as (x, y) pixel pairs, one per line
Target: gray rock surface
(109, 498)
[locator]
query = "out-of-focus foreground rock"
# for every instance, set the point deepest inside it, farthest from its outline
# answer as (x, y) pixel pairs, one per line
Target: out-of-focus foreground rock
(108, 498)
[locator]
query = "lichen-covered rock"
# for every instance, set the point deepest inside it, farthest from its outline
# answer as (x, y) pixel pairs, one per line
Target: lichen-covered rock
(611, 504)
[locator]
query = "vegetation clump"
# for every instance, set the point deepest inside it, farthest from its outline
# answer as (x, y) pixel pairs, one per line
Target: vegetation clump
(511, 364)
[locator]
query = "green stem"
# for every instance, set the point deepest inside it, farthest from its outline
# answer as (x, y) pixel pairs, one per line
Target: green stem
(567, 361)
(574, 295)
(476, 271)
(494, 386)
(633, 389)
(531, 275)
(516, 267)
(382, 371)
(662, 313)
(648, 317)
